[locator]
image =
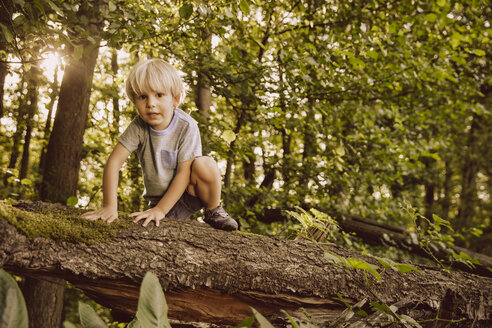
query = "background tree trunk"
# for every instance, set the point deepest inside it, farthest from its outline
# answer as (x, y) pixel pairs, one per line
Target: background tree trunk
(44, 301)
(60, 177)
(34, 75)
(203, 94)
(215, 276)
(468, 196)
(47, 127)
(115, 131)
(6, 9)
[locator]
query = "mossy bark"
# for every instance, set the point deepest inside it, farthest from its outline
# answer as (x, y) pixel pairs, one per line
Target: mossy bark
(215, 276)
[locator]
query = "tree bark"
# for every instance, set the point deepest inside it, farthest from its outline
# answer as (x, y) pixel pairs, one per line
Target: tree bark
(3, 74)
(60, 177)
(16, 139)
(215, 276)
(47, 127)
(468, 196)
(44, 301)
(115, 131)
(6, 7)
(32, 104)
(376, 233)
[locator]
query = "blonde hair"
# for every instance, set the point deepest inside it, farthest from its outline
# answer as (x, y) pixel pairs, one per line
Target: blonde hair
(155, 75)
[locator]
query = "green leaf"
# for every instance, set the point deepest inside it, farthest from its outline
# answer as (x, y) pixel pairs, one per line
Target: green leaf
(343, 301)
(261, 45)
(361, 312)
(72, 201)
(455, 39)
(430, 155)
(466, 257)
(357, 63)
(340, 151)
(186, 10)
(381, 307)
(362, 265)
(229, 136)
(244, 6)
(68, 324)
(247, 323)
(26, 182)
(134, 324)
(55, 8)
(152, 307)
(112, 6)
(386, 264)
(335, 258)
(479, 52)
(89, 317)
(13, 311)
(431, 18)
(404, 268)
(438, 222)
(264, 323)
(291, 320)
(442, 3)
(373, 54)
(7, 34)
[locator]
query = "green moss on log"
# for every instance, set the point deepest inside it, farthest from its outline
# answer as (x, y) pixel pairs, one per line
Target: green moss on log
(61, 224)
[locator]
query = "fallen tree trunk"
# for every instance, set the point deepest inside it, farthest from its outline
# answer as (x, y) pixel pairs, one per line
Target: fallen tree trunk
(214, 276)
(377, 233)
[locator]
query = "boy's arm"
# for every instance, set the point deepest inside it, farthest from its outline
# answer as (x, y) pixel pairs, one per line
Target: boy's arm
(170, 198)
(109, 211)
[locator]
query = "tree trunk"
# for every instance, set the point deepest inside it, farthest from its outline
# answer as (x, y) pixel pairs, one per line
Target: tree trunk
(203, 98)
(468, 196)
(232, 153)
(44, 301)
(115, 131)
(20, 128)
(32, 104)
(215, 276)
(3, 74)
(16, 139)
(447, 187)
(60, 177)
(6, 7)
(47, 127)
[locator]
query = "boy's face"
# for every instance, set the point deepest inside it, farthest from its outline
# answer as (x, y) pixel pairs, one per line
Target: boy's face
(156, 108)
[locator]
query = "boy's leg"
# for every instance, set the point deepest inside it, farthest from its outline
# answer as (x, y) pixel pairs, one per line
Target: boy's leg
(205, 183)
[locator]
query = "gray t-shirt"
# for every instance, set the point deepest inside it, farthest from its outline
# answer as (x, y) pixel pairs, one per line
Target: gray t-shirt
(179, 142)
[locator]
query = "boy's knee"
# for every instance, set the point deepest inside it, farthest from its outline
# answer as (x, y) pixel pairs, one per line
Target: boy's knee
(205, 167)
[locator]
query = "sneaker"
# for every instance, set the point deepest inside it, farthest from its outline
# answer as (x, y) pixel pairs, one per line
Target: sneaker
(219, 219)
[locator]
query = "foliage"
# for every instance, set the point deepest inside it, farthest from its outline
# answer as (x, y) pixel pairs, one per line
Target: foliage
(314, 225)
(440, 232)
(89, 317)
(13, 312)
(152, 306)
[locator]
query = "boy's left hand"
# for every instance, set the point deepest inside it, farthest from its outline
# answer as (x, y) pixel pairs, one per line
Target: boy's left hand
(153, 214)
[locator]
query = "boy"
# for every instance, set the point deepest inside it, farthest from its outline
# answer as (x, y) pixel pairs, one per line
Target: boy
(178, 180)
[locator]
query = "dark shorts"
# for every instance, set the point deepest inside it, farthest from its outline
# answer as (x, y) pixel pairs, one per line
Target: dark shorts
(185, 207)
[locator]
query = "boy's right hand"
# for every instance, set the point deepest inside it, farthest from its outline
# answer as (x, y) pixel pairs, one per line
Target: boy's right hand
(107, 214)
